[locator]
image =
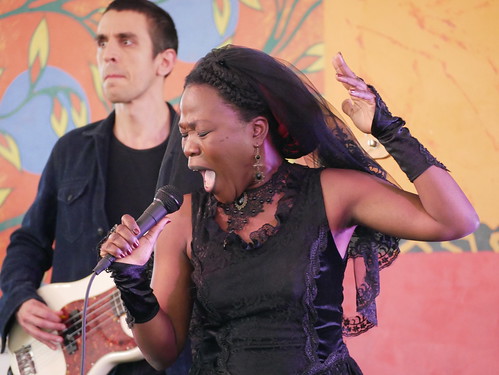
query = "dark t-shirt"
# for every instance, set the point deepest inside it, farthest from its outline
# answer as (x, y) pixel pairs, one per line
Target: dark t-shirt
(132, 176)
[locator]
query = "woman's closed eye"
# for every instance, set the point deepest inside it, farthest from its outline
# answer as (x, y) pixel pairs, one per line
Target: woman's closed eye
(200, 134)
(204, 133)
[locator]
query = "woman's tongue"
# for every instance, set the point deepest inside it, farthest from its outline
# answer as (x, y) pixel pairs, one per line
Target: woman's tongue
(209, 180)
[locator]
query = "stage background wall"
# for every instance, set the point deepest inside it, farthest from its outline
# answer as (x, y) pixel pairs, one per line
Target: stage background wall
(434, 62)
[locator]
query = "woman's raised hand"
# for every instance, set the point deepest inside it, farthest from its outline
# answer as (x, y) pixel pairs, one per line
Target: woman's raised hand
(361, 105)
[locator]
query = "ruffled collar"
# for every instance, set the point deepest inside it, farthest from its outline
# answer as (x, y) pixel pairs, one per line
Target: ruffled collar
(284, 182)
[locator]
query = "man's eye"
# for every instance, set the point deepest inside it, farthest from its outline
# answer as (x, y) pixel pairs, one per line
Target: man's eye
(127, 42)
(203, 134)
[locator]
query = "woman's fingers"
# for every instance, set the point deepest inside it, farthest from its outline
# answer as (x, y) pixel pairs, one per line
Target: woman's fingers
(120, 242)
(355, 85)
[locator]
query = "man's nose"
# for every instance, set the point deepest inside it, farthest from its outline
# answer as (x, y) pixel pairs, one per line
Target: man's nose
(110, 52)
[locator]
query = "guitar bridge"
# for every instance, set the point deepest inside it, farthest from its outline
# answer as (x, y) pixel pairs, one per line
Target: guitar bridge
(25, 361)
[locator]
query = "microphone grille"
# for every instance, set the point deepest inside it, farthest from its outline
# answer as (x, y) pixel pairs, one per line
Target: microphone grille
(171, 197)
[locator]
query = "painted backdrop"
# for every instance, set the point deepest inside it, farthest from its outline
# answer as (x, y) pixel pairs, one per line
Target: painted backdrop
(435, 63)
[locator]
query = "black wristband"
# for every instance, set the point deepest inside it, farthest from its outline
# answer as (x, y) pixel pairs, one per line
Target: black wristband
(412, 157)
(134, 285)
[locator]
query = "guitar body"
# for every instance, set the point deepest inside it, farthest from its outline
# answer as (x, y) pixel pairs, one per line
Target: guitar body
(109, 341)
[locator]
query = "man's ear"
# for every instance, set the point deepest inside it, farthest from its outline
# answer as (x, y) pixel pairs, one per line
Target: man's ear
(167, 60)
(260, 126)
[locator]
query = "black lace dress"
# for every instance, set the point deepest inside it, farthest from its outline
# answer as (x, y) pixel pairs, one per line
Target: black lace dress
(272, 306)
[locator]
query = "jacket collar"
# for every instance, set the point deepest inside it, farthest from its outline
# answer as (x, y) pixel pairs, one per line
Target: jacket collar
(107, 124)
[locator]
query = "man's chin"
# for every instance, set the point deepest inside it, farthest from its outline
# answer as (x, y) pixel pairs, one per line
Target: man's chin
(117, 99)
(115, 95)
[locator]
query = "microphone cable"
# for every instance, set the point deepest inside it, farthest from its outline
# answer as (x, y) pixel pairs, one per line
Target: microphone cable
(84, 324)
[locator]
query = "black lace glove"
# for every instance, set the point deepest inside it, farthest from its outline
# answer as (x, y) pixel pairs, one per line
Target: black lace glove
(133, 282)
(412, 157)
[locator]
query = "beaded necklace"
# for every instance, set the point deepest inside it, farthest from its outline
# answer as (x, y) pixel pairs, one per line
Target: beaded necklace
(251, 202)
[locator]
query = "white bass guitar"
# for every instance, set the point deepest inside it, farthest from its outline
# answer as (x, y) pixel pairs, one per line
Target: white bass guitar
(109, 341)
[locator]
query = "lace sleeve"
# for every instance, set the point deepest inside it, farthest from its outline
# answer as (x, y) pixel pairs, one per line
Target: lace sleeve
(370, 252)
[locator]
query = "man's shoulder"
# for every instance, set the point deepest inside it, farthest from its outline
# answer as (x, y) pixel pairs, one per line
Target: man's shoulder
(84, 130)
(82, 134)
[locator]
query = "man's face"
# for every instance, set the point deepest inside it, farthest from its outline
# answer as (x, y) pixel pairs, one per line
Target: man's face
(124, 56)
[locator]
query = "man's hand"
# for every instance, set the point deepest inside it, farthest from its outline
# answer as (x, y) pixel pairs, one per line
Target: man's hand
(38, 320)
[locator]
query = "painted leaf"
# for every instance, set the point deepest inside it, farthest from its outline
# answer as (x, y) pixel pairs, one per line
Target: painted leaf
(39, 46)
(221, 15)
(317, 50)
(4, 193)
(94, 70)
(255, 4)
(80, 117)
(10, 151)
(226, 42)
(59, 118)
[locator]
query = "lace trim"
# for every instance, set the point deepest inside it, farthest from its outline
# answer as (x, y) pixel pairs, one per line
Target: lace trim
(318, 246)
(251, 202)
(430, 158)
(371, 252)
(289, 189)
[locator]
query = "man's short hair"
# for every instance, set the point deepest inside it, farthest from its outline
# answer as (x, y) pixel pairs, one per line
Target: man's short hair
(161, 26)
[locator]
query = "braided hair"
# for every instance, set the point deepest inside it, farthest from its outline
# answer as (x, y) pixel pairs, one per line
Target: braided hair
(301, 121)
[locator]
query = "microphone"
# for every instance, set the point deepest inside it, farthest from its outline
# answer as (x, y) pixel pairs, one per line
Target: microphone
(166, 201)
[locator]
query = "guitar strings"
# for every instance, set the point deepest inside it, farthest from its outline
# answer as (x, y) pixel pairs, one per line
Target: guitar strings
(100, 306)
(92, 309)
(97, 312)
(46, 357)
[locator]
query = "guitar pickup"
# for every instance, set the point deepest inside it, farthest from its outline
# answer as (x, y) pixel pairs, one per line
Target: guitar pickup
(72, 332)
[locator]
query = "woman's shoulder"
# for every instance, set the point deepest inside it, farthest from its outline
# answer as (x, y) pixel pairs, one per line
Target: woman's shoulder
(341, 186)
(344, 175)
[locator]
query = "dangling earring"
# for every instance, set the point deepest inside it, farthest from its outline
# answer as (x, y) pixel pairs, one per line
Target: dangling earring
(259, 175)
